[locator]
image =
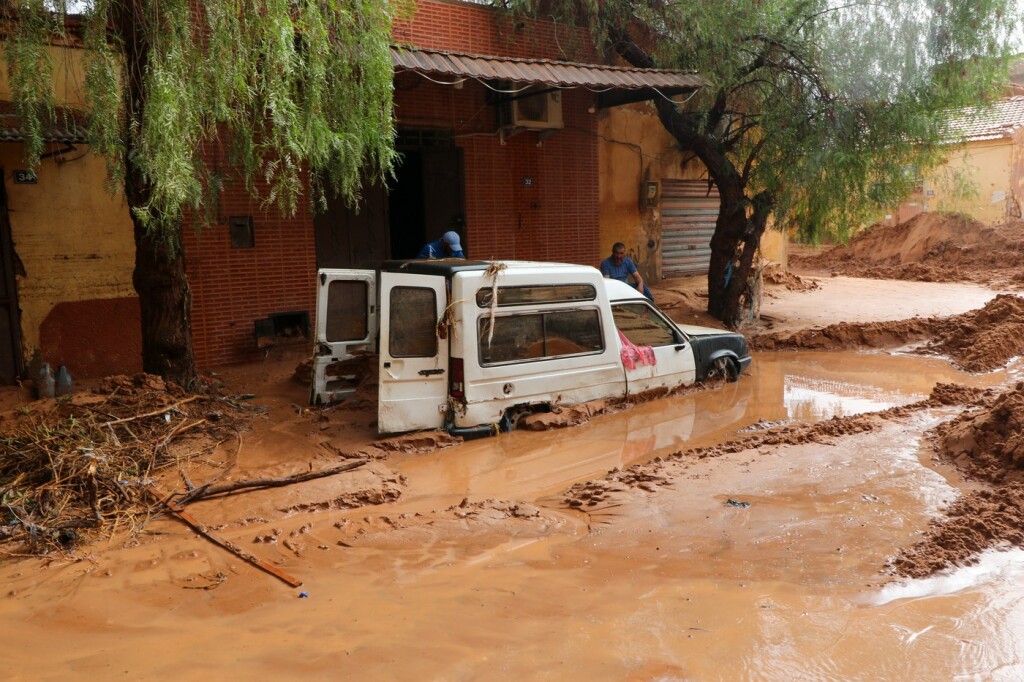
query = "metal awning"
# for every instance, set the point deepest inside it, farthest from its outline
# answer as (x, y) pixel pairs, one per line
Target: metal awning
(68, 126)
(617, 84)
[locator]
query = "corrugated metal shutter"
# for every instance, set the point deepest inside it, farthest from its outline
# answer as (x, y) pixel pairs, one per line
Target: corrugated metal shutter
(689, 209)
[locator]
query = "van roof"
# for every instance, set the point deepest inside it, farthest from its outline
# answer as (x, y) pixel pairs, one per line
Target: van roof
(620, 291)
(447, 267)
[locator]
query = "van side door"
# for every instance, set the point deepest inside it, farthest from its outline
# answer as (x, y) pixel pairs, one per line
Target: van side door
(665, 354)
(346, 320)
(413, 359)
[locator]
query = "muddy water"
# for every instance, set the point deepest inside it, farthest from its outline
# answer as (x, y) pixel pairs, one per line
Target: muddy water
(663, 586)
(783, 387)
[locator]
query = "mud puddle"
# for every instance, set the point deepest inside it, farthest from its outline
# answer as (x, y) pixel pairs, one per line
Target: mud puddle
(782, 387)
(763, 564)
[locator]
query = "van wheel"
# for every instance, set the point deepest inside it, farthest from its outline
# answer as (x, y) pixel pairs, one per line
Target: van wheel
(723, 368)
(514, 415)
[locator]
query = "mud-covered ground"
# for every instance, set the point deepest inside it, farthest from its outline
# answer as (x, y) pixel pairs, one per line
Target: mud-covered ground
(538, 555)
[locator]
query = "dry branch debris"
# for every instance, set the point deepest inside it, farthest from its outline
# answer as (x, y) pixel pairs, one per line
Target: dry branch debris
(76, 469)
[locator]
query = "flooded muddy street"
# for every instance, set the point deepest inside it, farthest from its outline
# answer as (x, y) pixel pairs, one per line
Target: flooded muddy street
(762, 562)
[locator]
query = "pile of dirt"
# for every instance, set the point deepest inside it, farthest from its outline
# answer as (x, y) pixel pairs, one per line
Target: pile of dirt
(930, 247)
(774, 273)
(982, 340)
(986, 444)
(846, 335)
(977, 341)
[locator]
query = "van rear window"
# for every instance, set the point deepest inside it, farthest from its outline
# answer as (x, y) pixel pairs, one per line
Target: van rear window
(347, 318)
(413, 323)
(539, 336)
(538, 293)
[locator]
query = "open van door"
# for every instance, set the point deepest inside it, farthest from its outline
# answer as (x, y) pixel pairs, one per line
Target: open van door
(346, 320)
(413, 360)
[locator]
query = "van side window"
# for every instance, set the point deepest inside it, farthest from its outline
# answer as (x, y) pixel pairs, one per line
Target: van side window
(346, 311)
(539, 336)
(538, 293)
(413, 323)
(642, 325)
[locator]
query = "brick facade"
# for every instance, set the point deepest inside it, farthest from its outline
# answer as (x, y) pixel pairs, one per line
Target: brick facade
(553, 218)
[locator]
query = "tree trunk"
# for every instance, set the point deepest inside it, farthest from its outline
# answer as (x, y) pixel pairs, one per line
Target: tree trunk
(733, 226)
(165, 302)
(159, 278)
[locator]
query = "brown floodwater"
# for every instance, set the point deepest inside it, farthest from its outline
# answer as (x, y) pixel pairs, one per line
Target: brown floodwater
(669, 585)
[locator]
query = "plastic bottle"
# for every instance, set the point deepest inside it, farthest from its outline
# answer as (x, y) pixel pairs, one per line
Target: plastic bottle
(45, 383)
(64, 386)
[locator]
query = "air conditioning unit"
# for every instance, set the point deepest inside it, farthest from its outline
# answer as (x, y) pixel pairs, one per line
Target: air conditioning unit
(538, 111)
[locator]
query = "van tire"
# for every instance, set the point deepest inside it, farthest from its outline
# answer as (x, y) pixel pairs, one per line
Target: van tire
(514, 415)
(725, 368)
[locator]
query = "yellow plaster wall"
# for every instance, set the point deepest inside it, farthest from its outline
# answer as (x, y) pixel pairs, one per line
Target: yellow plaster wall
(634, 148)
(68, 77)
(72, 237)
(993, 171)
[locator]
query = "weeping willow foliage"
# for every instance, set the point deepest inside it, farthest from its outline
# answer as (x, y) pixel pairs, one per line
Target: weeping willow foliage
(296, 95)
(828, 110)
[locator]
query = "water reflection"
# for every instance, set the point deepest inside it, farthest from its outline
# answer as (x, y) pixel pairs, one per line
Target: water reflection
(780, 387)
(818, 386)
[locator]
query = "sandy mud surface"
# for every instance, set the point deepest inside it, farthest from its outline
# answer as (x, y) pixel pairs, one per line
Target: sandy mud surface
(844, 511)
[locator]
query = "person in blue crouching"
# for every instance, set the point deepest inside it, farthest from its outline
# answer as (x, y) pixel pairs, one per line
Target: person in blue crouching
(618, 266)
(448, 246)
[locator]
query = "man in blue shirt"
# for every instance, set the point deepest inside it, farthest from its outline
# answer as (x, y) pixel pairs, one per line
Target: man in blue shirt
(617, 266)
(448, 246)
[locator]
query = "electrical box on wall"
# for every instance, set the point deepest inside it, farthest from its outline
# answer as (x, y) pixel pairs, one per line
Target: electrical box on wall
(649, 194)
(541, 110)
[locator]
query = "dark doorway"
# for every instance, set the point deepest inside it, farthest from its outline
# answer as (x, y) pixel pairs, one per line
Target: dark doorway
(423, 201)
(405, 207)
(11, 361)
(346, 238)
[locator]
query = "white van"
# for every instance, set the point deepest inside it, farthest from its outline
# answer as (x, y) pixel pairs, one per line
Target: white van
(471, 346)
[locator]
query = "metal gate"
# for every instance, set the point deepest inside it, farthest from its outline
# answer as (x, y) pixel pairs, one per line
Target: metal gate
(689, 209)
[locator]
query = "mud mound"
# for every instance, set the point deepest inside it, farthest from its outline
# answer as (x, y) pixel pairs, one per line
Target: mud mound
(848, 335)
(988, 444)
(977, 341)
(930, 247)
(774, 273)
(983, 340)
(973, 524)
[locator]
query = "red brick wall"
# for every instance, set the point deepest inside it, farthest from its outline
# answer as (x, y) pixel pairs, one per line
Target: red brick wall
(464, 27)
(232, 288)
(555, 219)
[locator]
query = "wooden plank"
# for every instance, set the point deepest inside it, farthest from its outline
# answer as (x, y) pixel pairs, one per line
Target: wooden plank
(201, 528)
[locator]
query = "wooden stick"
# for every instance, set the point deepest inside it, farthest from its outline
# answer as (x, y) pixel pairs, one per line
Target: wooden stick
(154, 412)
(201, 528)
(209, 490)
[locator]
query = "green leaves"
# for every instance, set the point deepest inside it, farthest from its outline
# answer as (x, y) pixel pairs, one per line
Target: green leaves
(843, 95)
(278, 95)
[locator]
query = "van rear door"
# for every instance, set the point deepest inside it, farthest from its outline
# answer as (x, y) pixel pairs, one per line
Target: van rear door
(413, 359)
(346, 320)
